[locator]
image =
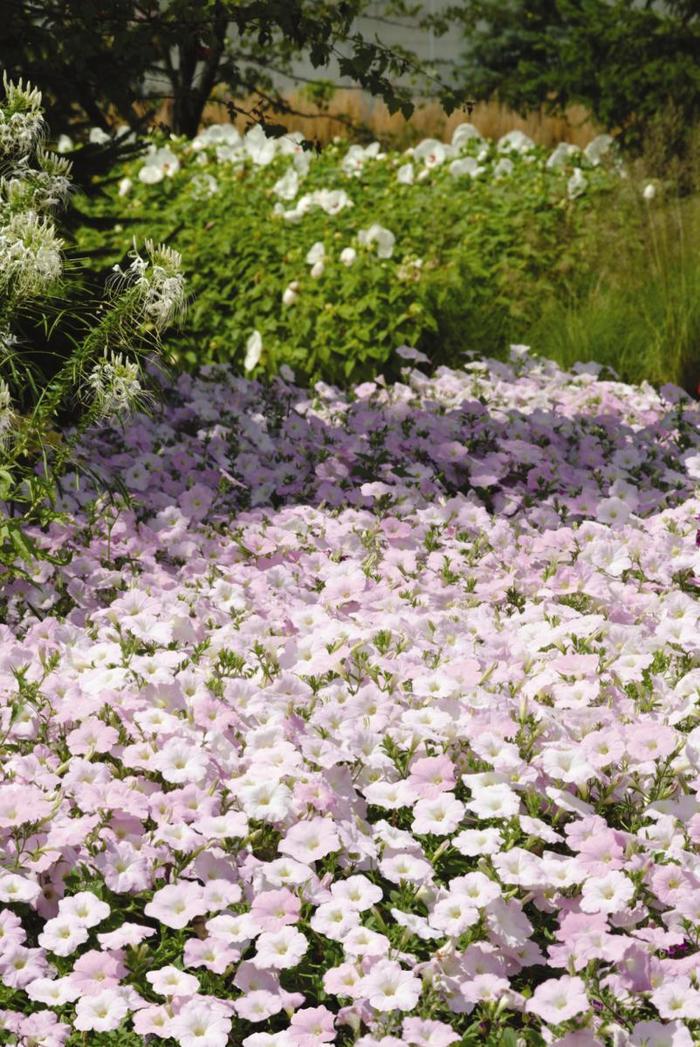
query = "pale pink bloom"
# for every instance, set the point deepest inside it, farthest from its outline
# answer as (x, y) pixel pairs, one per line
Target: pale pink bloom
(650, 741)
(417, 925)
(127, 934)
(54, 992)
(432, 775)
(476, 888)
(200, 1025)
(310, 840)
(363, 941)
(14, 888)
(273, 909)
(439, 816)
(345, 586)
(484, 987)
(508, 923)
(177, 904)
(661, 1034)
(285, 871)
(153, 1021)
(334, 919)
(43, 1029)
(85, 908)
(567, 764)
(602, 748)
(20, 966)
(100, 1013)
(267, 801)
(389, 795)
(677, 998)
(601, 854)
(20, 804)
(125, 869)
(268, 1039)
(357, 892)
(232, 928)
(93, 736)
(11, 930)
(210, 953)
(258, 1005)
(607, 894)
(494, 801)
(62, 935)
(482, 958)
(95, 971)
(344, 980)
(423, 1032)
(518, 866)
(558, 999)
(179, 837)
(171, 981)
(179, 761)
(453, 915)
(579, 1038)
(249, 978)
(406, 868)
(220, 893)
(473, 842)
(280, 949)
(196, 502)
(312, 1026)
(388, 987)
(233, 824)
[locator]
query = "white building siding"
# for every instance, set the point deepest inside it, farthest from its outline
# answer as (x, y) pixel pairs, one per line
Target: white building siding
(439, 51)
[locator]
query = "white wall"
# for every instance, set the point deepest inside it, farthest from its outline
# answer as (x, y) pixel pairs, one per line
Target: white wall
(440, 50)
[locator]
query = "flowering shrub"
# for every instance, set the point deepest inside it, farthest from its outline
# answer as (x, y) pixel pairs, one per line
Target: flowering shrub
(373, 719)
(41, 380)
(337, 259)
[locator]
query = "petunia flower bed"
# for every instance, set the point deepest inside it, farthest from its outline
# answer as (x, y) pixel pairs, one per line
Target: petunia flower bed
(370, 717)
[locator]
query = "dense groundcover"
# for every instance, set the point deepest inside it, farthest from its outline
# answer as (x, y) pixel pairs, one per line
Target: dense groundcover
(372, 719)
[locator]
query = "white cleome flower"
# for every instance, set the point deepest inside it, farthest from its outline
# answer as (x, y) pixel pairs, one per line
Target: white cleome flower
(30, 255)
(21, 119)
(115, 384)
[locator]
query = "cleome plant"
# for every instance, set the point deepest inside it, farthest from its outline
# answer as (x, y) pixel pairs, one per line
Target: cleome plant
(70, 355)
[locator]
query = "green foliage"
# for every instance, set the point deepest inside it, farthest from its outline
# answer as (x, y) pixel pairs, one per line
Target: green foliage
(640, 316)
(63, 356)
(625, 62)
(117, 58)
(473, 261)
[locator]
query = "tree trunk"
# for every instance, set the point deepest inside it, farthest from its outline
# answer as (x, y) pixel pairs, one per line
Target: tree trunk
(196, 74)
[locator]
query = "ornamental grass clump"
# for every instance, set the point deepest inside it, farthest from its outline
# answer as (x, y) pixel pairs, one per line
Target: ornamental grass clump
(67, 358)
